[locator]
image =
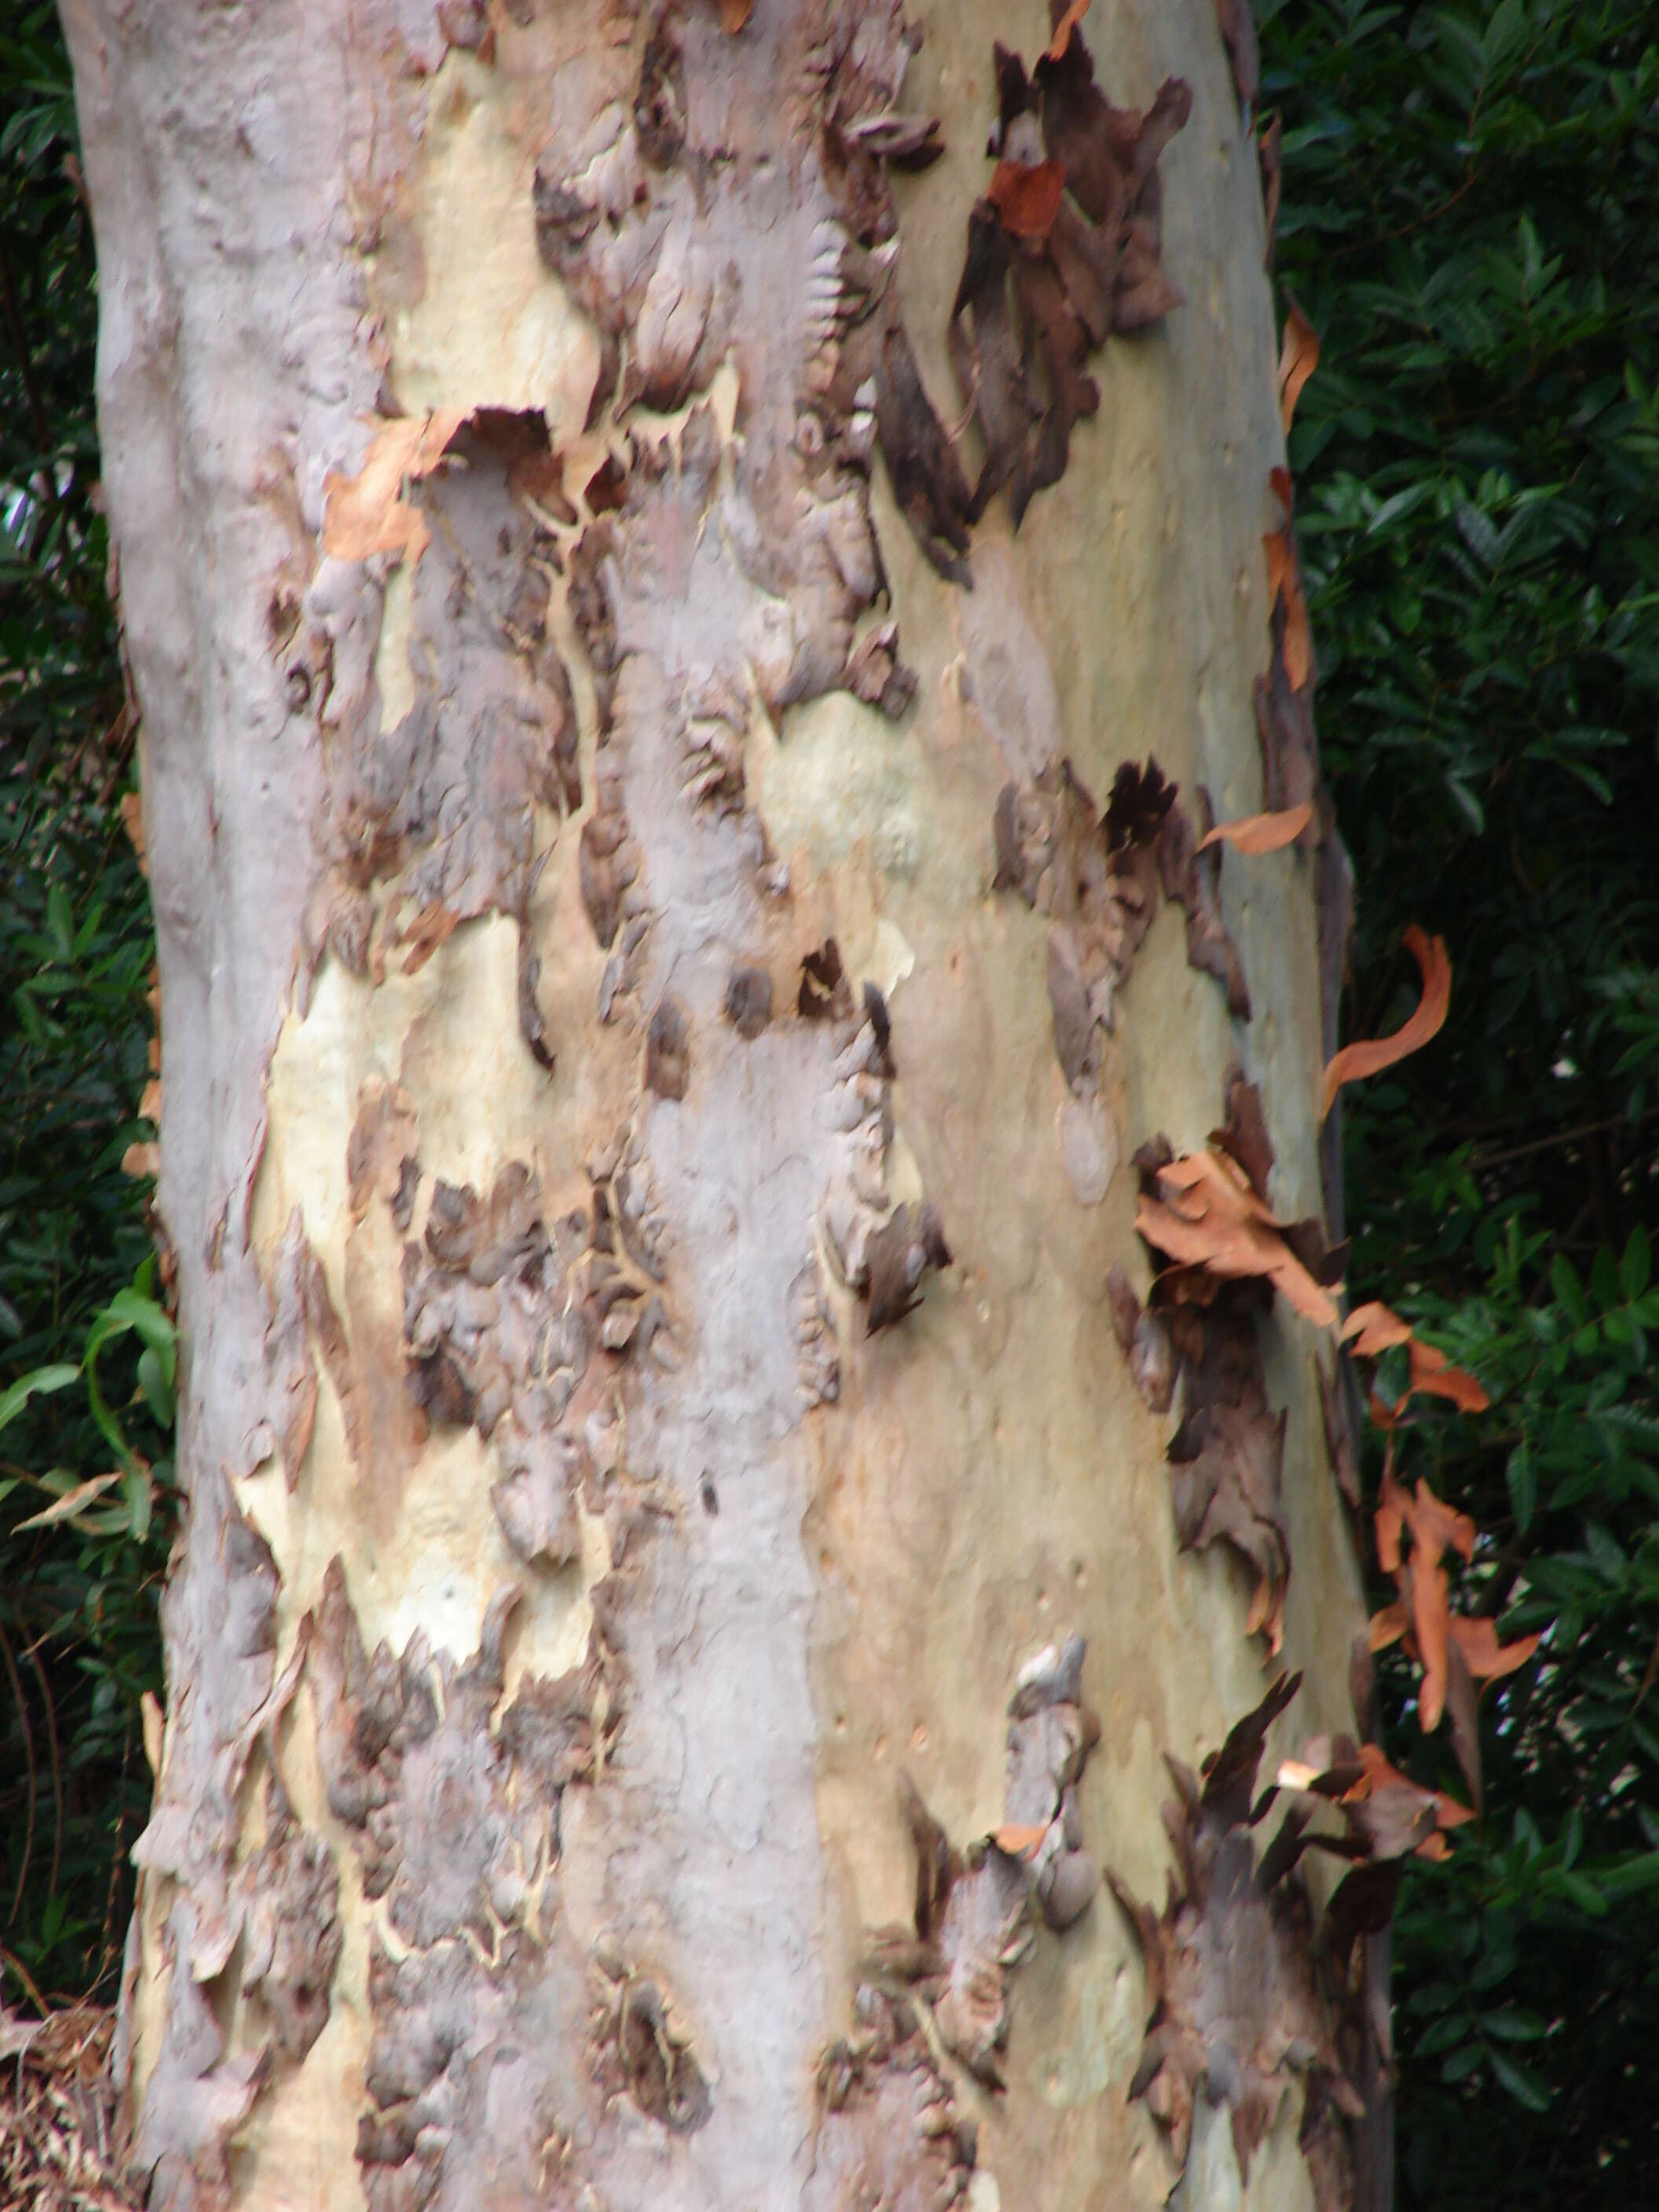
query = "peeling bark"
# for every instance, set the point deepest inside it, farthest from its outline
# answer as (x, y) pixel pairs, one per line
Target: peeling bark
(656, 1206)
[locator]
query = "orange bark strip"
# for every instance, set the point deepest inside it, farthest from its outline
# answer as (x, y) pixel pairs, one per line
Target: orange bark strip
(1486, 1659)
(1026, 195)
(1386, 1627)
(1285, 581)
(1298, 358)
(1063, 29)
(1372, 1328)
(1435, 1378)
(1262, 833)
(1355, 1061)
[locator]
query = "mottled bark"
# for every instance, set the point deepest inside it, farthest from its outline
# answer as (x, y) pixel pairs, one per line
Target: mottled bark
(634, 575)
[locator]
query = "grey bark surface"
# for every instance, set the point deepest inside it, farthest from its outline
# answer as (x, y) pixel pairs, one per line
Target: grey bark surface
(642, 1173)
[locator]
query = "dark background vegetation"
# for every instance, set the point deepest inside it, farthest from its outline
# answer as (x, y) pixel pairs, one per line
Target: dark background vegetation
(1470, 195)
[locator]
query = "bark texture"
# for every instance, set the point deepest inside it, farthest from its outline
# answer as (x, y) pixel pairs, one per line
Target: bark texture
(681, 1591)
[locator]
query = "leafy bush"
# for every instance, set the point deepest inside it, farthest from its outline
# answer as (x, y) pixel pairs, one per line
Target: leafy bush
(78, 1640)
(1469, 191)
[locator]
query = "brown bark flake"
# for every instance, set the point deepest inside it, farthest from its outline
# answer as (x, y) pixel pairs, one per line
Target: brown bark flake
(1098, 877)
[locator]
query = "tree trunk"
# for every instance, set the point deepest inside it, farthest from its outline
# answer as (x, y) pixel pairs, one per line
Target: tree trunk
(653, 1053)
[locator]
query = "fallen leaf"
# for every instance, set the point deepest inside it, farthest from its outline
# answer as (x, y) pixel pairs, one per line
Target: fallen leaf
(1299, 357)
(1063, 29)
(1026, 195)
(1355, 1061)
(734, 14)
(1261, 833)
(1018, 1841)
(367, 514)
(72, 1502)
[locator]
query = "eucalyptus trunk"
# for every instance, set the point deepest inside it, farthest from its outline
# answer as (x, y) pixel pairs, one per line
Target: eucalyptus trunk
(638, 580)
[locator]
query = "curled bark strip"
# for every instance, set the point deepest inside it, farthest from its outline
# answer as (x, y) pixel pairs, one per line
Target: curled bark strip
(1356, 1061)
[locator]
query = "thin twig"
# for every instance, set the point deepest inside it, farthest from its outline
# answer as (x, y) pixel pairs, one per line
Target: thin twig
(110, 1953)
(57, 1770)
(10, 1959)
(1561, 1137)
(29, 1759)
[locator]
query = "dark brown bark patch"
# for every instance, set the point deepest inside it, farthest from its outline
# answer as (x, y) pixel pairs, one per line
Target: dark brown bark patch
(641, 2051)
(1062, 251)
(889, 2120)
(1097, 876)
(749, 1000)
(1242, 1983)
(668, 1050)
(907, 1246)
(1226, 1457)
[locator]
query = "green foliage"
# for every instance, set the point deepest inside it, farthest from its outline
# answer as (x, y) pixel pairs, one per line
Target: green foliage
(78, 1639)
(1469, 192)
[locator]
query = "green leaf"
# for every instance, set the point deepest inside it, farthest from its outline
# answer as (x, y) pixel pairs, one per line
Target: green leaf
(1586, 1894)
(157, 1387)
(41, 1382)
(60, 921)
(1636, 1264)
(1569, 1292)
(1512, 2024)
(1462, 2062)
(1523, 2082)
(1523, 1477)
